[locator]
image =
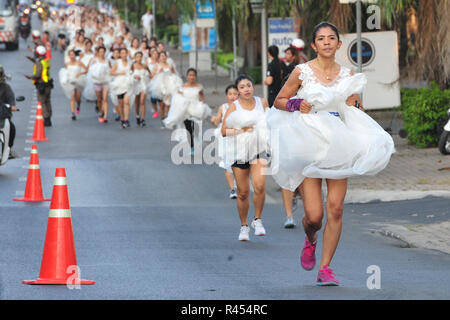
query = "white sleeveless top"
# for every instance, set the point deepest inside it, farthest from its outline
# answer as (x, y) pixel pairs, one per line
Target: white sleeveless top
(256, 111)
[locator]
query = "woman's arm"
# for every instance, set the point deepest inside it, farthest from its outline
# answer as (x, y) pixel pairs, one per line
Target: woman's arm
(231, 131)
(202, 95)
(268, 81)
(264, 103)
(113, 69)
(288, 90)
(216, 119)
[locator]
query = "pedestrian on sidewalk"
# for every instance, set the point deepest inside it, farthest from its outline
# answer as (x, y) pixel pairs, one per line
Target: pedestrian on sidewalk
(232, 95)
(244, 130)
(275, 71)
(146, 21)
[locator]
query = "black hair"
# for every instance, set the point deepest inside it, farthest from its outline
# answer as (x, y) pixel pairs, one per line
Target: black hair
(242, 77)
(231, 86)
(274, 51)
(324, 24)
(294, 52)
(191, 69)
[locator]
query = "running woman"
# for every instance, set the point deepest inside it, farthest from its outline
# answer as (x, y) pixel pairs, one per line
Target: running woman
(244, 129)
(335, 141)
(72, 79)
(120, 86)
(99, 70)
(232, 95)
(141, 76)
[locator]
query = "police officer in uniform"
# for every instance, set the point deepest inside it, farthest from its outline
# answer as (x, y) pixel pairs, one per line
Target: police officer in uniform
(43, 82)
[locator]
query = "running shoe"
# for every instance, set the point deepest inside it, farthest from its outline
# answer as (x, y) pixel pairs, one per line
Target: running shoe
(138, 121)
(308, 257)
(233, 194)
(127, 123)
(244, 233)
(155, 115)
(101, 120)
(259, 228)
(117, 118)
(78, 110)
(105, 120)
(143, 123)
(326, 277)
(74, 117)
(289, 224)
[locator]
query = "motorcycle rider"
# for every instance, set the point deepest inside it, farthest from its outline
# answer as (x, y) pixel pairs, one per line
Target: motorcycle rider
(7, 105)
(43, 82)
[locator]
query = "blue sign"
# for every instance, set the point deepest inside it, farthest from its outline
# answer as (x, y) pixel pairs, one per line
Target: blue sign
(281, 25)
(205, 10)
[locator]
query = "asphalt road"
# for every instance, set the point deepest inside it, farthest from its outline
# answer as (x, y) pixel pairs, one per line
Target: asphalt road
(145, 228)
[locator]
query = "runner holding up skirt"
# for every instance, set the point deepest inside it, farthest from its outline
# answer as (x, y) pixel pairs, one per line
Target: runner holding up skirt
(322, 135)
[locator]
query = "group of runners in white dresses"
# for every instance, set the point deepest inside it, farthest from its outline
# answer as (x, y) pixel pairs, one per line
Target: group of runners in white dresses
(316, 130)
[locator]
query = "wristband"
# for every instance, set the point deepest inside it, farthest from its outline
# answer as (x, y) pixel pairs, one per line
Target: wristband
(293, 105)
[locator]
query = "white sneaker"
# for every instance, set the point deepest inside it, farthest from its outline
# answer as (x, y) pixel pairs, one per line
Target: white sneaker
(244, 234)
(289, 224)
(259, 228)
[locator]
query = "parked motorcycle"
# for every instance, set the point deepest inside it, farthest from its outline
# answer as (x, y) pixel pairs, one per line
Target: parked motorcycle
(5, 128)
(444, 139)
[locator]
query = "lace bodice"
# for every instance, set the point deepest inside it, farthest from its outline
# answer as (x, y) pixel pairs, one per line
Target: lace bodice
(192, 93)
(310, 83)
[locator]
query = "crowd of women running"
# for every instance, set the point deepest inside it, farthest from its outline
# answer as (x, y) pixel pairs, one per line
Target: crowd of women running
(313, 131)
(104, 63)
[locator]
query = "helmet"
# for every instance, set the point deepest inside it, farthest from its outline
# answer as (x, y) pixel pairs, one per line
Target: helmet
(36, 34)
(298, 44)
(2, 74)
(41, 51)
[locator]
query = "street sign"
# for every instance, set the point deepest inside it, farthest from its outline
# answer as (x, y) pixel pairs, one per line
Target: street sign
(281, 33)
(379, 64)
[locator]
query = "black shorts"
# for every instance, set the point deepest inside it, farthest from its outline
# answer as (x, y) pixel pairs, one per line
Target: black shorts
(246, 165)
(121, 96)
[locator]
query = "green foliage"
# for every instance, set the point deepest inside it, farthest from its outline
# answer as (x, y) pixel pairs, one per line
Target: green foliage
(224, 58)
(255, 73)
(423, 110)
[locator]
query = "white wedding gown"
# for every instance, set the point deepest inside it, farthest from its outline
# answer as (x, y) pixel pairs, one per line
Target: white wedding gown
(332, 141)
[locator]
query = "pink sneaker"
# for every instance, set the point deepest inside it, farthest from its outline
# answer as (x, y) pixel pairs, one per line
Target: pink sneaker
(308, 257)
(326, 277)
(155, 114)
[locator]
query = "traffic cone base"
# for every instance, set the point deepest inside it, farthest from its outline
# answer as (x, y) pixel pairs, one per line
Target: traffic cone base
(62, 281)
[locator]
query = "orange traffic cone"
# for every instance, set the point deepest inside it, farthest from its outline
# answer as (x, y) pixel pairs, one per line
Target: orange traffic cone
(59, 259)
(33, 188)
(39, 131)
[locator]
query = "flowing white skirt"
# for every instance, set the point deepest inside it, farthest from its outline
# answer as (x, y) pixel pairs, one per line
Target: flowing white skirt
(164, 85)
(245, 147)
(69, 82)
(322, 145)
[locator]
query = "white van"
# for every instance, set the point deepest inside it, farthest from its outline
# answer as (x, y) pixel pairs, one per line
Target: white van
(9, 24)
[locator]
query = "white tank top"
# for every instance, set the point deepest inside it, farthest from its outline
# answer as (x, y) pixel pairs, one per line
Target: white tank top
(257, 109)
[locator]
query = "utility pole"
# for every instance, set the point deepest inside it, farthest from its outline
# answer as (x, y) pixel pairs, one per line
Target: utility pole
(264, 50)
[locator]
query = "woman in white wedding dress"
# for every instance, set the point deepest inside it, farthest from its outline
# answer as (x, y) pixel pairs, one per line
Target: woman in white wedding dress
(141, 78)
(322, 135)
(245, 138)
(188, 109)
(121, 86)
(73, 80)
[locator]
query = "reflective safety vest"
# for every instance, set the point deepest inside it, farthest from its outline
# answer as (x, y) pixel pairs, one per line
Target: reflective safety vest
(45, 75)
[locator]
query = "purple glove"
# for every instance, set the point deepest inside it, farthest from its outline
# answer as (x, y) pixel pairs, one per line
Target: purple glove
(293, 105)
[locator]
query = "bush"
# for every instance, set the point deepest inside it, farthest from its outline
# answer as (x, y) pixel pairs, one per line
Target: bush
(423, 110)
(255, 73)
(224, 58)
